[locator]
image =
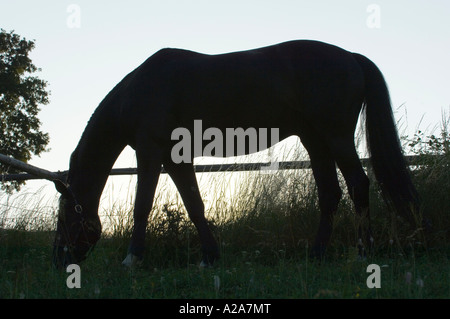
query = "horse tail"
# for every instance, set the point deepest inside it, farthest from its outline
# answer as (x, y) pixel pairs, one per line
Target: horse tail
(384, 145)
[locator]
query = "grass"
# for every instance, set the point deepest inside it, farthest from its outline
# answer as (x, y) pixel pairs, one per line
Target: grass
(264, 231)
(26, 273)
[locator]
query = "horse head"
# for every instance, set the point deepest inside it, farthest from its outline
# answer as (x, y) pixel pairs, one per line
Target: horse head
(77, 231)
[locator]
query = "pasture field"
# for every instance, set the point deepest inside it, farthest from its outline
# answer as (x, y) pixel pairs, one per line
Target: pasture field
(264, 234)
(26, 272)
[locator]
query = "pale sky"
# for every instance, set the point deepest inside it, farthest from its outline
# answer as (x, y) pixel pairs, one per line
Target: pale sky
(84, 56)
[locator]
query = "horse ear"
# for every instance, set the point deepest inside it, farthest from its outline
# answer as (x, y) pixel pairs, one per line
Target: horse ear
(61, 187)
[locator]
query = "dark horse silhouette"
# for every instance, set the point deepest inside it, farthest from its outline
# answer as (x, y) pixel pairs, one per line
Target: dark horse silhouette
(306, 88)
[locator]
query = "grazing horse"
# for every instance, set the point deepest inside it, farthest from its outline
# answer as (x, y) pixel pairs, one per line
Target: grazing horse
(310, 89)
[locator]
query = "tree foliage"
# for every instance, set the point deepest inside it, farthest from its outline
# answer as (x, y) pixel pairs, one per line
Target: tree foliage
(21, 94)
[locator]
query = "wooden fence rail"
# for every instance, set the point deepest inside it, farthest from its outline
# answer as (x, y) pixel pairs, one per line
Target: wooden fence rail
(32, 172)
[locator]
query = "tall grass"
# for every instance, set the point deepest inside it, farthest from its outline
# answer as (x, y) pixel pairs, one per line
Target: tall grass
(28, 211)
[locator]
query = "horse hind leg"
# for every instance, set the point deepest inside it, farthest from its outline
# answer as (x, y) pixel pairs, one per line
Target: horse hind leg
(329, 192)
(183, 175)
(358, 187)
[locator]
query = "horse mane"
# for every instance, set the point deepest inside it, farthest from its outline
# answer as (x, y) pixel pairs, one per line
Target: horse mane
(94, 125)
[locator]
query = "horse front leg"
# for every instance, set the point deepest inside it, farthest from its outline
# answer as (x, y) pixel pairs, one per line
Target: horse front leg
(149, 169)
(183, 175)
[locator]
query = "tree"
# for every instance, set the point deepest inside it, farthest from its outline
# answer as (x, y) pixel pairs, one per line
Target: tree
(21, 93)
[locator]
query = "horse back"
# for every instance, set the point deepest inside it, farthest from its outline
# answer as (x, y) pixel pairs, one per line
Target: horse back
(281, 86)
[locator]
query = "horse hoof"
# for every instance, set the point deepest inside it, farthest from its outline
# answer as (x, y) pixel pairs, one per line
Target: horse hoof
(132, 261)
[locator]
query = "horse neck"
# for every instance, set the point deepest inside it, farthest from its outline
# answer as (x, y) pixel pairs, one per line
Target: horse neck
(92, 160)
